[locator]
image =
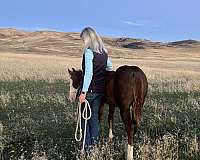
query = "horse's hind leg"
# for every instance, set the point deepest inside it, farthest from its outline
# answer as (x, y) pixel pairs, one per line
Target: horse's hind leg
(126, 117)
(110, 121)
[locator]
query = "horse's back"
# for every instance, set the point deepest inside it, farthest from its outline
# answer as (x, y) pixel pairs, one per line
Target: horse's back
(130, 85)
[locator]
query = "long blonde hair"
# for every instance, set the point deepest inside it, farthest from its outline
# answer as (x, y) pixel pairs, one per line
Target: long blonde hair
(92, 40)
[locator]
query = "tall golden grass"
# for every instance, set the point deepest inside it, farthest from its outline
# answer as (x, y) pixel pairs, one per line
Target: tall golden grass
(166, 75)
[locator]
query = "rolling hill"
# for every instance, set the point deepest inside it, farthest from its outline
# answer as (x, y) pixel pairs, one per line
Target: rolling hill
(69, 44)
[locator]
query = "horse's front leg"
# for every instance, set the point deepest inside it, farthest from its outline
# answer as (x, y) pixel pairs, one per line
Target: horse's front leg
(101, 108)
(110, 121)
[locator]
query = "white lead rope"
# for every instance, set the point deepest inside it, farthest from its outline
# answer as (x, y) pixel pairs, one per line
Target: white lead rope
(86, 117)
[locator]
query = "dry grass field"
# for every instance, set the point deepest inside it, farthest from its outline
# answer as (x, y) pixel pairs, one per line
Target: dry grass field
(37, 121)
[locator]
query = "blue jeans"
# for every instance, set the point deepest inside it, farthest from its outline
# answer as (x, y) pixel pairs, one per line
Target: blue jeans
(92, 129)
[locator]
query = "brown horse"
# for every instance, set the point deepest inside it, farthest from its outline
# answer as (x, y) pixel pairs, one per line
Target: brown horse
(125, 88)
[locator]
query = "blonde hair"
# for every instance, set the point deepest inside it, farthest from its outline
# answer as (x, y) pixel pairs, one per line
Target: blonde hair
(92, 40)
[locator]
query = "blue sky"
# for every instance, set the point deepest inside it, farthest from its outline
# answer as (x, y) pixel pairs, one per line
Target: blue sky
(158, 20)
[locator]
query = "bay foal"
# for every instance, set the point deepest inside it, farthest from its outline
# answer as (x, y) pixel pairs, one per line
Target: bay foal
(126, 88)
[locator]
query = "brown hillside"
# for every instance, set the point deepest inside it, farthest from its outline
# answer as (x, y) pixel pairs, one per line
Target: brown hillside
(48, 54)
(69, 44)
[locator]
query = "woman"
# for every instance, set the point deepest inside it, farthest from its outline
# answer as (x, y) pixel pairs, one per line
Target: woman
(95, 62)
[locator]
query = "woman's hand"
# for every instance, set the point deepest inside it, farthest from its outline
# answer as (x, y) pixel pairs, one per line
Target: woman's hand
(82, 97)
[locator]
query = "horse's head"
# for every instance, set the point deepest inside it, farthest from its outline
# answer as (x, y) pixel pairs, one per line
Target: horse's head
(75, 80)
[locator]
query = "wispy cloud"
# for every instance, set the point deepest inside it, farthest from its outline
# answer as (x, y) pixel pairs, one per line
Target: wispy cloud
(144, 23)
(133, 23)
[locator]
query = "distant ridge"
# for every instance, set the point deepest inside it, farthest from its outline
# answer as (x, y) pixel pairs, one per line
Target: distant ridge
(184, 43)
(11, 32)
(53, 42)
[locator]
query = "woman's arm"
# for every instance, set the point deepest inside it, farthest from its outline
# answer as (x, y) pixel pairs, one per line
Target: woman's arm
(88, 69)
(109, 65)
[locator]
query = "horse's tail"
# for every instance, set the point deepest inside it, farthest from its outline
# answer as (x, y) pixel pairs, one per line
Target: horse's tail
(136, 107)
(133, 117)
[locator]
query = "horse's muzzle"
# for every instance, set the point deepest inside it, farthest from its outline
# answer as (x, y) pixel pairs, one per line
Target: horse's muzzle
(72, 96)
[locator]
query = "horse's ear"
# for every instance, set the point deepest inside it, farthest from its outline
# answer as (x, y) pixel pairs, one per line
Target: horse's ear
(69, 71)
(73, 69)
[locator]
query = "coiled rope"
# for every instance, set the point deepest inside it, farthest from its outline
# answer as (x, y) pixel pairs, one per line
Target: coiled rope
(86, 115)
